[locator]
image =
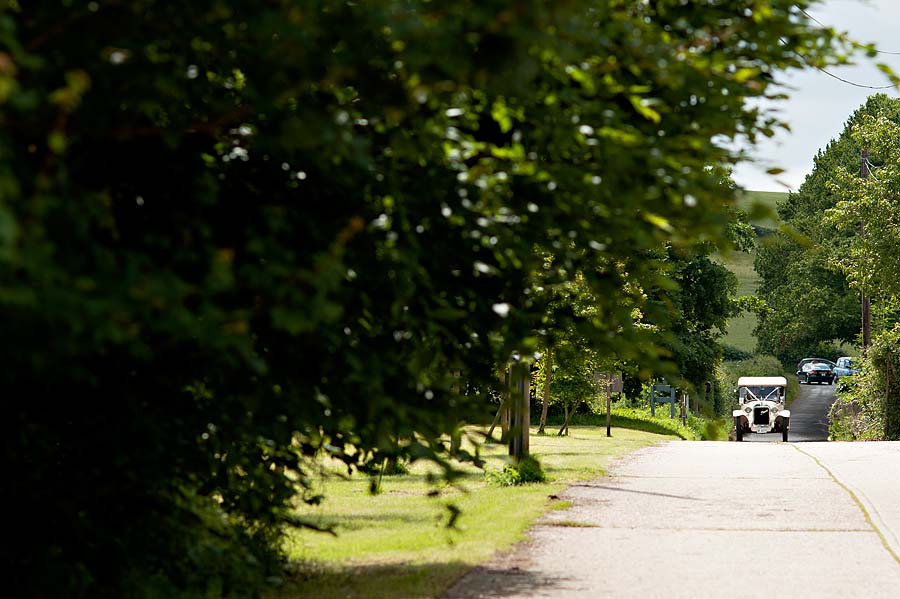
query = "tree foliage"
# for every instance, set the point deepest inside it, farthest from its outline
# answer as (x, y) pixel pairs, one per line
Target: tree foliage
(871, 262)
(809, 302)
(701, 305)
(868, 408)
(234, 235)
(867, 211)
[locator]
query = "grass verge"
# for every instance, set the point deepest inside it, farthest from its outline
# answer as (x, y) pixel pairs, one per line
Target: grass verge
(397, 544)
(696, 429)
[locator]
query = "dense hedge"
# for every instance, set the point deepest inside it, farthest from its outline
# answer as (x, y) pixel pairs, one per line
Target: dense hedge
(868, 404)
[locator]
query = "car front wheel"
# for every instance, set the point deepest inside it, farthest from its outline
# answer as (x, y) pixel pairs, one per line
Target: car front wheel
(784, 429)
(738, 431)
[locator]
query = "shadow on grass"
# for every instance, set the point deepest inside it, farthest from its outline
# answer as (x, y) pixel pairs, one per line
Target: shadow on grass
(315, 580)
(351, 521)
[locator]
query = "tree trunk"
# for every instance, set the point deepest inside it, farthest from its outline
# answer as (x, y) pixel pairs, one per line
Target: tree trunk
(548, 370)
(456, 435)
(502, 416)
(497, 416)
(519, 409)
(564, 429)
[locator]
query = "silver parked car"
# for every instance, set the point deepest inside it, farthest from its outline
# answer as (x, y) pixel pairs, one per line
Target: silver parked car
(762, 407)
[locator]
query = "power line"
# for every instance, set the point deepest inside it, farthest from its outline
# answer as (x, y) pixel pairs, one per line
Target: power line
(812, 18)
(804, 59)
(851, 82)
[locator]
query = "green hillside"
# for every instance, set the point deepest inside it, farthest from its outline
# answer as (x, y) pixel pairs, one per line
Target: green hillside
(760, 205)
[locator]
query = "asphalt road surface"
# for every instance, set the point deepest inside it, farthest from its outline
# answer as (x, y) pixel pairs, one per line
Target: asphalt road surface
(696, 520)
(809, 418)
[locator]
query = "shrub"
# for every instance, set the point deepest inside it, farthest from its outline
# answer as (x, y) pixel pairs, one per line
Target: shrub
(731, 353)
(856, 414)
(389, 466)
(528, 470)
(868, 404)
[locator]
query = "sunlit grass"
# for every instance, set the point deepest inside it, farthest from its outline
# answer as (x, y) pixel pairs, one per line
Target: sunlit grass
(398, 543)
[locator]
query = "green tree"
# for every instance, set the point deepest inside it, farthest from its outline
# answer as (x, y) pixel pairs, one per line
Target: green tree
(809, 301)
(867, 213)
(700, 304)
(235, 235)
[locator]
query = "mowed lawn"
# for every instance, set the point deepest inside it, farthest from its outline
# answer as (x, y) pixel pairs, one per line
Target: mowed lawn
(397, 544)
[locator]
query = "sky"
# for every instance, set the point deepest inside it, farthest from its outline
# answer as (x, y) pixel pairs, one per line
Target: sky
(820, 105)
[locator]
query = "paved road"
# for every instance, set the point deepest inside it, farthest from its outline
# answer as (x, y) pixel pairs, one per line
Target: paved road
(809, 417)
(689, 520)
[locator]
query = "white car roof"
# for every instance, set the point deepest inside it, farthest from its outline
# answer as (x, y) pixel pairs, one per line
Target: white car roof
(762, 381)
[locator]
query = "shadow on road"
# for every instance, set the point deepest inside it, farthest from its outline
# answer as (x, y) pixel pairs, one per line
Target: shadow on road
(487, 582)
(594, 486)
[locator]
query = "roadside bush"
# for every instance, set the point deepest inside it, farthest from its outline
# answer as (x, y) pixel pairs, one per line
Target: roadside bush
(698, 428)
(729, 373)
(868, 404)
(856, 413)
(528, 470)
(885, 358)
(731, 353)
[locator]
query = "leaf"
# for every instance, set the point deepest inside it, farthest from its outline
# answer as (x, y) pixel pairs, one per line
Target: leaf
(743, 74)
(657, 221)
(501, 115)
(642, 105)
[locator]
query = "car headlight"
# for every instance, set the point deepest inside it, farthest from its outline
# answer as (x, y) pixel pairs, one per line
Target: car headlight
(748, 409)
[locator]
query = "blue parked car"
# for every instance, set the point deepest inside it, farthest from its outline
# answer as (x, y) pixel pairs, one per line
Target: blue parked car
(845, 366)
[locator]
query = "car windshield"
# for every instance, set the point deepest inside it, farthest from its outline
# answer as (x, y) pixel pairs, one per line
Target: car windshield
(756, 392)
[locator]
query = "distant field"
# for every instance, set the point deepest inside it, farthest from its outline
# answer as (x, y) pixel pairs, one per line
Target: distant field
(740, 328)
(760, 205)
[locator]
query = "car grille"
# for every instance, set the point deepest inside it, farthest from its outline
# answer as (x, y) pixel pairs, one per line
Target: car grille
(761, 415)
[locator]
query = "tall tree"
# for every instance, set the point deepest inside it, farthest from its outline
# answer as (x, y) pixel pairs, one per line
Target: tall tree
(810, 302)
(867, 213)
(700, 304)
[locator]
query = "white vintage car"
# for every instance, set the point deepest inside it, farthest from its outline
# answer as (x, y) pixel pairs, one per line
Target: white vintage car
(761, 409)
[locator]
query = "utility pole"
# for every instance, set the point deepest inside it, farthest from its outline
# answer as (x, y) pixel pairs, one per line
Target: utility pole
(866, 318)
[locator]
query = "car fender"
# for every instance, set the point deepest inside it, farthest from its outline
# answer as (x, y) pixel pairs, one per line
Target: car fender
(737, 413)
(784, 413)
